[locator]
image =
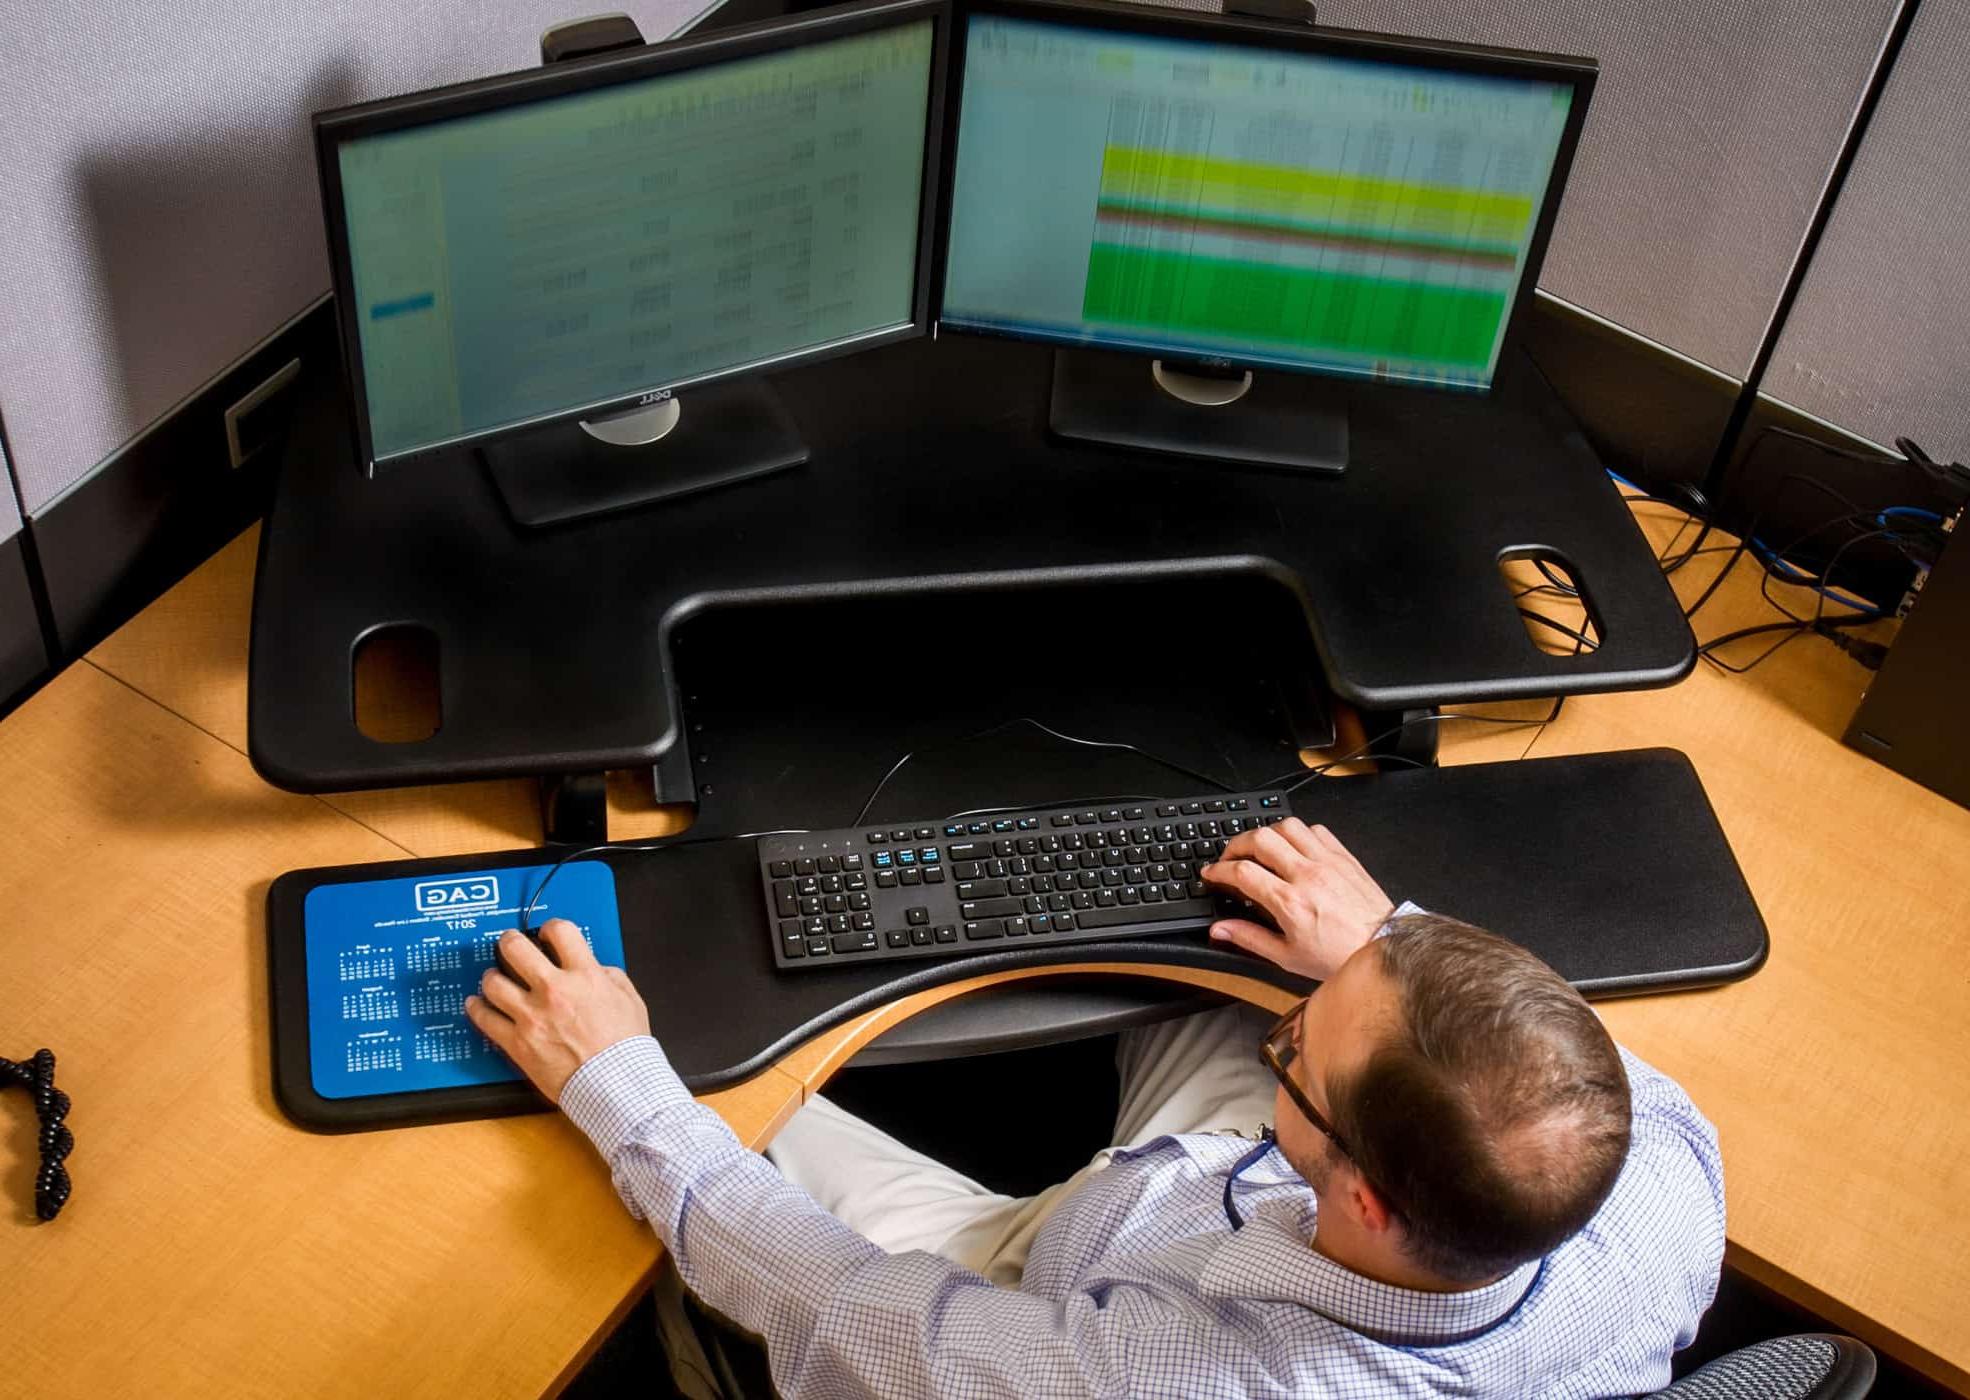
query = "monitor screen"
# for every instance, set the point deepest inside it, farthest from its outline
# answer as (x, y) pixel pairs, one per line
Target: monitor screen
(1261, 206)
(570, 253)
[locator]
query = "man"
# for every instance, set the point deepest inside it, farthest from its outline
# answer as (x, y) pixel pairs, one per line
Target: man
(1472, 1192)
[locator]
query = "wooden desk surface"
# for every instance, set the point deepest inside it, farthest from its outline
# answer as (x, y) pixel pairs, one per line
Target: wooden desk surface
(214, 1249)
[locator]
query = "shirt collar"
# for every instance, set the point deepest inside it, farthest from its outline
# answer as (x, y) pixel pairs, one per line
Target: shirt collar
(1273, 1260)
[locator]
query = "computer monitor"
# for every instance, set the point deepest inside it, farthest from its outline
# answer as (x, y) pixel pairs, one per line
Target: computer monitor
(1212, 200)
(537, 266)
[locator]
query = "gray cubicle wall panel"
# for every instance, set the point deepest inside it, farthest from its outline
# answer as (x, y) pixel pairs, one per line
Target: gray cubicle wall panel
(1879, 341)
(1711, 133)
(162, 215)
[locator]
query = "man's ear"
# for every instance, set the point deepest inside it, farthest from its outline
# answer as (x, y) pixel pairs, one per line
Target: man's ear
(1369, 1208)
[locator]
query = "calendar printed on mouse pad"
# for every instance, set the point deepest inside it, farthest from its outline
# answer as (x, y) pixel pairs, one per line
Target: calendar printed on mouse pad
(390, 963)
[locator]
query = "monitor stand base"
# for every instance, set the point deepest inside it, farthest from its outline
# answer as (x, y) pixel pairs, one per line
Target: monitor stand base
(573, 471)
(1278, 420)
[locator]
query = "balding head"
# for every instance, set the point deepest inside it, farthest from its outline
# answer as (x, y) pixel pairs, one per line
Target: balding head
(1493, 1110)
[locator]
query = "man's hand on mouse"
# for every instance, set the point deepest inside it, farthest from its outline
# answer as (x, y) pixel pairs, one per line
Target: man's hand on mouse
(1310, 885)
(565, 1015)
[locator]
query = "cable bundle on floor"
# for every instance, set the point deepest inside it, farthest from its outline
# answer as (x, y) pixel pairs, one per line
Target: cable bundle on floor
(37, 1076)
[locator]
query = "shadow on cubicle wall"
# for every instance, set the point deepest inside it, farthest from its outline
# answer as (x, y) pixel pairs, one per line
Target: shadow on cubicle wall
(158, 208)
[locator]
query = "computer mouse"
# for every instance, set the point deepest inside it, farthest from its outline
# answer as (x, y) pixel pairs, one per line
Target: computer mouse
(532, 935)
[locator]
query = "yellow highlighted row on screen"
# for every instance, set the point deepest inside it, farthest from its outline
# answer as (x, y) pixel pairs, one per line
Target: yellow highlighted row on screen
(1129, 172)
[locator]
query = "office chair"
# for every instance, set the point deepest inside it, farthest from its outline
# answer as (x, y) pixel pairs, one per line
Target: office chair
(1809, 1366)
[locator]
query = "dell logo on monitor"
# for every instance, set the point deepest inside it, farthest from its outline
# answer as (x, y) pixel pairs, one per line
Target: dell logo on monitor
(655, 396)
(461, 895)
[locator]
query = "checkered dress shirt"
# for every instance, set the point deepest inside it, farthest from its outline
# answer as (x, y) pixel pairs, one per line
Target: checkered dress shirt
(1137, 1286)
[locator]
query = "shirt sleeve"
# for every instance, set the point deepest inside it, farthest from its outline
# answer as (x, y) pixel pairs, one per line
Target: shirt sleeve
(838, 1314)
(1401, 911)
(1670, 1217)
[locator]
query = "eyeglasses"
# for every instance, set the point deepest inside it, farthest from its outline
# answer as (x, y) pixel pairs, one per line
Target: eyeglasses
(1279, 1049)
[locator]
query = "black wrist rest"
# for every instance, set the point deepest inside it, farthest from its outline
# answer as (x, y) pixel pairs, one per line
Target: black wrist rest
(1611, 866)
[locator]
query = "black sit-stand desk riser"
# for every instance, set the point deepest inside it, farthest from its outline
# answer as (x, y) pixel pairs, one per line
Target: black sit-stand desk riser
(931, 474)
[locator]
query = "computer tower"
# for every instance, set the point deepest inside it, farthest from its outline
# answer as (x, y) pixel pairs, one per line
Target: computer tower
(1914, 717)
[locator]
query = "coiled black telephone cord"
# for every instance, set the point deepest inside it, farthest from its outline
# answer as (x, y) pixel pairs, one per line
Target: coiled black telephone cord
(37, 1076)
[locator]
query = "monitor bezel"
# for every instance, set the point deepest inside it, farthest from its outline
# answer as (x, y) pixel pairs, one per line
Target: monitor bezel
(688, 51)
(1158, 21)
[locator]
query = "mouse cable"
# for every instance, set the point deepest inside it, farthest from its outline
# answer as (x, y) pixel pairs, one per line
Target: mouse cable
(661, 844)
(37, 1075)
(1171, 764)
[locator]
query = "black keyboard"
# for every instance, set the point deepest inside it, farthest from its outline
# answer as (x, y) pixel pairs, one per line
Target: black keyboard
(967, 884)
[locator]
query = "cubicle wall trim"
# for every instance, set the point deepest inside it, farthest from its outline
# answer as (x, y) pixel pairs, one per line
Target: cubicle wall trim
(27, 633)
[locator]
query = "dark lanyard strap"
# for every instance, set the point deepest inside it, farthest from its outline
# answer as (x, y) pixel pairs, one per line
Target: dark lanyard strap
(1246, 1163)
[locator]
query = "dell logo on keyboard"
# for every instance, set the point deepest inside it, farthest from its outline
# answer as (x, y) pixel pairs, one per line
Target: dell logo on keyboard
(464, 895)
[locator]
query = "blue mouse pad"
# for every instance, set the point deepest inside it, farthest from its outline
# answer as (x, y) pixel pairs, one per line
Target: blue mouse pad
(390, 963)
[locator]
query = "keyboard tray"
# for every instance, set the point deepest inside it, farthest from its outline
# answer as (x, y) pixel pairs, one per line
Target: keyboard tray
(1610, 866)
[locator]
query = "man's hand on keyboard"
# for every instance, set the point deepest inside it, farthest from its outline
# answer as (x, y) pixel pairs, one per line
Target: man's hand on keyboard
(1325, 905)
(565, 1015)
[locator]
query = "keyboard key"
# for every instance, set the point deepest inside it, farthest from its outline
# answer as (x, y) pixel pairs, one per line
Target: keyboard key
(928, 856)
(920, 937)
(989, 908)
(968, 850)
(912, 876)
(896, 938)
(1016, 926)
(1063, 923)
(981, 889)
(947, 933)
(817, 947)
(852, 861)
(780, 869)
(1028, 823)
(1040, 923)
(784, 903)
(1197, 910)
(977, 929)
(828, 865)
(885, 879)
(852, 942)
(811, 904)
(862, 920)
(876, 838)
(934, 875)
(804, 866)
(924, 833)
(1239, 804)
(918, 915)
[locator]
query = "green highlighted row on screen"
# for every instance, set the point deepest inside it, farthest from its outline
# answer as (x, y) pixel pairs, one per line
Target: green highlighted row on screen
(1291, 306)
